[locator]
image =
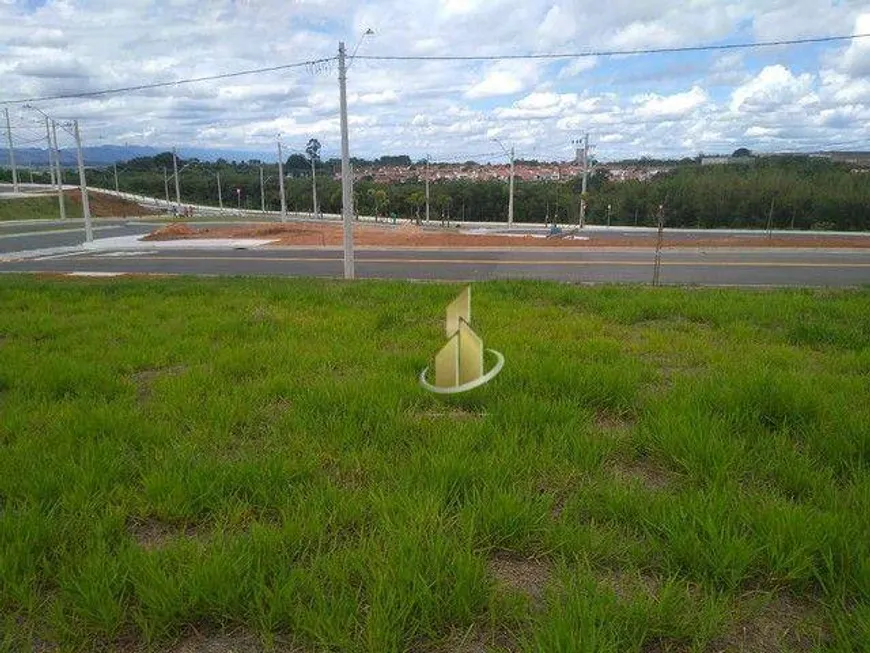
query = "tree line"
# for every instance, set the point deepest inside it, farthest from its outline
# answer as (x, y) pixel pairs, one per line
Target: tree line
(790, 192)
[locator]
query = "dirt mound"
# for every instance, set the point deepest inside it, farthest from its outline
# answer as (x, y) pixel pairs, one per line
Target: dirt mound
(175, 231)
(410, 235)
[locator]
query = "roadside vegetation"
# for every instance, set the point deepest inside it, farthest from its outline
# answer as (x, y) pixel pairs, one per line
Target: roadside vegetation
(46, 207)
(783, 192)
(192, 464)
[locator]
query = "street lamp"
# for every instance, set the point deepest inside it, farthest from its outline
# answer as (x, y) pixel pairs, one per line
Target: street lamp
(346, 175)
(510, 155)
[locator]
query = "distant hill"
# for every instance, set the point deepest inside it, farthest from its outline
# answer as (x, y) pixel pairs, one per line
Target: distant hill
(104, 155)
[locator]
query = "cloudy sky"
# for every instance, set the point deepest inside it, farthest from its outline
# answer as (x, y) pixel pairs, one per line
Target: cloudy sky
(795, 98)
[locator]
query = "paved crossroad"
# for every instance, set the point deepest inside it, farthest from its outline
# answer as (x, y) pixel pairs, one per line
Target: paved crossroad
(679, 266)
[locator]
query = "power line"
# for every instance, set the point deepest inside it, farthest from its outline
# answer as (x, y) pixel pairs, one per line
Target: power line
(610, 53)
(189, 80)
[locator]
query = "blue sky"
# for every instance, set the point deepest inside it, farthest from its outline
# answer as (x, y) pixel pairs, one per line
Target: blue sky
(775, 99)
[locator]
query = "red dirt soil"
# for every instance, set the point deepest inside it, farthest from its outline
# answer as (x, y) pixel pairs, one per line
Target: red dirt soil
(409, 235)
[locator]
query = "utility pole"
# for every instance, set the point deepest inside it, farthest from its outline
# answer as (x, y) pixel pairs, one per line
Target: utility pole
(11, 154)
(115, 168)
(220, 197)
(657, 264)
(177, 187)
(511, 193)
(262, 191)
(770, 219)
(314, 188)
(58, 174)
(48, 140)
(427, 189)
(281, 184)
(585, 176)
(346, 182)
(86, 208)
(166, 186)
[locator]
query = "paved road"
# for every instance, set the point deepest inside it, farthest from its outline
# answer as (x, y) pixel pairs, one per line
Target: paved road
(713, 267)
(43, 234)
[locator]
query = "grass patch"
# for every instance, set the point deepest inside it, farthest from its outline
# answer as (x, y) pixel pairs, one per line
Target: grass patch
(38, 208)
(45, 207)
(190, 464)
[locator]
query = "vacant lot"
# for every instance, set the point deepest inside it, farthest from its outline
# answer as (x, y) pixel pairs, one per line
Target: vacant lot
(244, 465)
(405, 234)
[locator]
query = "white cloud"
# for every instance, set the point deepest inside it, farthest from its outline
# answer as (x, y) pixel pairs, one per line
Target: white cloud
(773, 87)
(786, 97)
(577, 66)
(670, 106)
(497, 82)
(504, 79)
(644, 35)
(856, 60)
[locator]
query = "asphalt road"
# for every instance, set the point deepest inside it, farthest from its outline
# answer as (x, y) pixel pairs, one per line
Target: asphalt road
(712, 267)
(43, 234)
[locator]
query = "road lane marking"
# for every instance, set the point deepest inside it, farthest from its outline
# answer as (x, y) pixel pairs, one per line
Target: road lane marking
(519, 262)
(25, 234)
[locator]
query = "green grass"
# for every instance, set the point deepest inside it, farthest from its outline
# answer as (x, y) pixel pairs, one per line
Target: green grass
(37, 208)
(654, 469)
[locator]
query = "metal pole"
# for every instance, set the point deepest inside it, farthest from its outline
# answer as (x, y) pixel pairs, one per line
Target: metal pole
(86, 208)
(50, 158)
(177, 187)
(220, 197)
(166, 186)
(346, 182)
(511, 193)
(281, 184)
(314, 188)
(58, 174)
(11, 154)
(115, 168)
(262, 191)
(770, 219)
(427, 189)
(585, 176)
(658, 257)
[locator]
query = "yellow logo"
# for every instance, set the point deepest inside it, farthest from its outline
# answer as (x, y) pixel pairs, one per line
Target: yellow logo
(459, 364)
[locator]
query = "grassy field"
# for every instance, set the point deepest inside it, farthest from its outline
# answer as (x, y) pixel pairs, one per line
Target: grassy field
(242, 465)
(45, 207)
(38, 208)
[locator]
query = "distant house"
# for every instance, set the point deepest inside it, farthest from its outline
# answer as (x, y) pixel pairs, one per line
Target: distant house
(853, 158)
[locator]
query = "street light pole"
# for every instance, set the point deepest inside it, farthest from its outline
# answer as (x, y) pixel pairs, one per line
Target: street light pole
(177, 187)
(11, 154)
(86, 208)
(220, 197)
(281, 183)
(58, 173)
(510, 154)
(115, 168)
(427, 189)
(313, 187)
(511, 195)
(166, 186)
(50, 157)
(262, 191)
(585, 176)
(346, 189)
